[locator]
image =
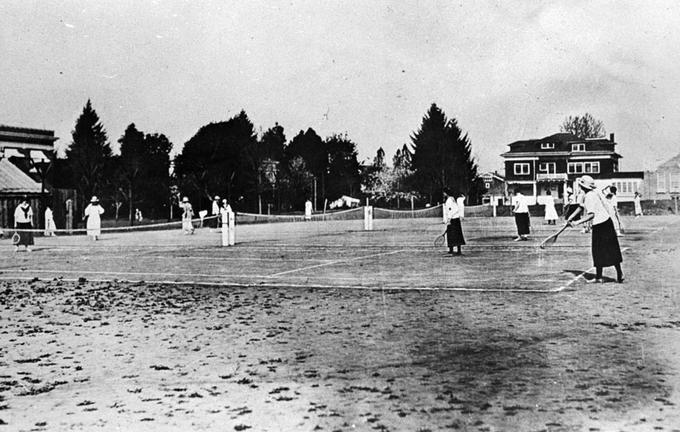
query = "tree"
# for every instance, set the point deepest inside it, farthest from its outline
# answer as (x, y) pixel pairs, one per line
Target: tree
(154, 191)
(585, 126)
(442, 157)
(143, 172)
(220, 159)
(130, 166)
(296, 183)
(89, 154)
(310, 147)
(343, 168)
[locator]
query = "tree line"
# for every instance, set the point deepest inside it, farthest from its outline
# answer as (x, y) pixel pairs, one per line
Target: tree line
(260, 172)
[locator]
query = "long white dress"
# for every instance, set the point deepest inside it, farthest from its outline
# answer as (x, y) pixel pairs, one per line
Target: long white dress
(93, 213)
(550, 212)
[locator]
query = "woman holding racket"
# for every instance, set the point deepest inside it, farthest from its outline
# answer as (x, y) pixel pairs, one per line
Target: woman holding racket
(605, 243)
(454, 230)
(23, 220)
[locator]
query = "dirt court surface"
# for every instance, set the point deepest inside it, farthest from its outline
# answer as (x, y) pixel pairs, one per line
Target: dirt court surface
(306, 327)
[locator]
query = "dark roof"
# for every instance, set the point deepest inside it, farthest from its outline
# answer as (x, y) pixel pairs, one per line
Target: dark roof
(15, 129)
(13, 180)
(558, 137)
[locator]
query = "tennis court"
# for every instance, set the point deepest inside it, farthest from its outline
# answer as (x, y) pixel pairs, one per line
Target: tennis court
(308, 326)
(396, 254)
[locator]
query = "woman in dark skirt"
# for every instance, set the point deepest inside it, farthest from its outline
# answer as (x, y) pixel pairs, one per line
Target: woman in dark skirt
(605, 243)
(454, 230)
(521, 210)
(23, 220)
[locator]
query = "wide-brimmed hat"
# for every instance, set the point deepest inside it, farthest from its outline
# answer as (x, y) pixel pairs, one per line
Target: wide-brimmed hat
(586, 182)
(94, 199)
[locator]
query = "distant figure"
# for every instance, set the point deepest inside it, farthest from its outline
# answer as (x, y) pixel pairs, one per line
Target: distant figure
(460, 202)
(550, 212)
(93, 214)
(454, 230)
(138, 215)
(638, 205)
(23, 220)
(521, 211)
(614, 209)
(187, 216)
(308, 210)
(50, 226)
(215, 212)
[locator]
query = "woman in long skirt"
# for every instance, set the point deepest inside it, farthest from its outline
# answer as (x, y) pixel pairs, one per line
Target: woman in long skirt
(521, 211)
(187, 216)
(50, 226)
(93, 213)
(550, 212)
(23, 220)
(454, 230)
(605, 243)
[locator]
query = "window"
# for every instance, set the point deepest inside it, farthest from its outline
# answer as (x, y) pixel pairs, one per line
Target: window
(578, 147)
(487, 185)
(675, 182)
(547, 146)
(661, 182)
(521, 169)
(547, 167)
(583, 167)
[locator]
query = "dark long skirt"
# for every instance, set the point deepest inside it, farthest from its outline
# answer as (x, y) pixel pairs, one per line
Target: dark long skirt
(454, 233)
(522, 221)
(605, 248)
(25, 238)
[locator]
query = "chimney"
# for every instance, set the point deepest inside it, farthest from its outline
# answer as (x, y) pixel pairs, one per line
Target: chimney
(611, 137)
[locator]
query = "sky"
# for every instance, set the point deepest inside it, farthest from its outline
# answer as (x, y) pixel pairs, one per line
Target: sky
(505, 70)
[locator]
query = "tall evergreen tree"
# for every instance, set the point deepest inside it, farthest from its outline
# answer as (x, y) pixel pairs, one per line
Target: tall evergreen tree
(442, 157)
(131, 165)
(89, 155)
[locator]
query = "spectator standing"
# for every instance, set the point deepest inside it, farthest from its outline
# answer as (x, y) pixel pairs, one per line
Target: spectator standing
(23, 220)
(93, 214)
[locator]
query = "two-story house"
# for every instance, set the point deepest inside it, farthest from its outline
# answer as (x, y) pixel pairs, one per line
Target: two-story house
(553, 164)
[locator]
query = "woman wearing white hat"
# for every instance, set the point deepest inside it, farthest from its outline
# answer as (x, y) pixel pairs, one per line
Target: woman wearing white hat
(187, 216)
(605, 243)
(93, 213)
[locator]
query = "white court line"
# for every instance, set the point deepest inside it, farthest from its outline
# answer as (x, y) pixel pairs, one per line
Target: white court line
(568, 284)
(335, 262)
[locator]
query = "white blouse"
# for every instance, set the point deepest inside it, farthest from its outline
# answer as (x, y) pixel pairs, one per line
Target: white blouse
(451, 210)
(594, 203)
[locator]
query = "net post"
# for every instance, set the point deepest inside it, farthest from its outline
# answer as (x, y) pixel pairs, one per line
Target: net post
(368, 218)
(228, 231)
(232, 228)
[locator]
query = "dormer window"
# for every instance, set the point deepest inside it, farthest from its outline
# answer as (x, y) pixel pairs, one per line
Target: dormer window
(581, 147)
(548, 146)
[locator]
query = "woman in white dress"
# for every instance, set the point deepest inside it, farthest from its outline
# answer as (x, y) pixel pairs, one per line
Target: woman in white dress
(50, 226)
(187, 216)
(93, 214)
(550, 212)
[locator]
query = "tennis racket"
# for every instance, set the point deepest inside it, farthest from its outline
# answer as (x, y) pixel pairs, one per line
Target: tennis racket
(440, 240)
(16, 238)
(553, 238)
